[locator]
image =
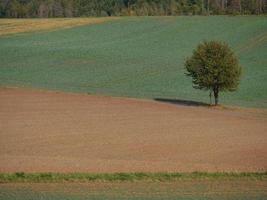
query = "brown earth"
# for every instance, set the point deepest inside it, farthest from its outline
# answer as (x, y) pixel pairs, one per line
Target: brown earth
(57, 132)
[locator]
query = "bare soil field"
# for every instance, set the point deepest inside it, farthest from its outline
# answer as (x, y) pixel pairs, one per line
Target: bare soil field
(58, 132)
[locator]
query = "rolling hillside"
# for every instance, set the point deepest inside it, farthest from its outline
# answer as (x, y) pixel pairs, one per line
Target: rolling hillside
(136, 57)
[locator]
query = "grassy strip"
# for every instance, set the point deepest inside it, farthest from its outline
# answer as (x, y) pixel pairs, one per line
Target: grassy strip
(87, 177)
(14, 26)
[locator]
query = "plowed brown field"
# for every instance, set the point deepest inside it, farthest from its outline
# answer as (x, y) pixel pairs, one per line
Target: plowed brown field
(57, 132)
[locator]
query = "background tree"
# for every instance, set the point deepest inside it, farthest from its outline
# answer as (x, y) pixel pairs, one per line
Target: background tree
(214, 67)
(2, 9)
(80, 8)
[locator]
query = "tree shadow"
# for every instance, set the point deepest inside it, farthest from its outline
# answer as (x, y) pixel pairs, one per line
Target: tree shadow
(182, 102)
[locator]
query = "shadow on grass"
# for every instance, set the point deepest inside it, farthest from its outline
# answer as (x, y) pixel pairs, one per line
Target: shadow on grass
(182, 102)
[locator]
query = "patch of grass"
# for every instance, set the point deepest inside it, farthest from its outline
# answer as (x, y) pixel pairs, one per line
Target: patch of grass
(105, 177)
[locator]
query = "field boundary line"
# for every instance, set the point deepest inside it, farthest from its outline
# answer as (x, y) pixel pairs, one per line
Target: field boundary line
(137, 176)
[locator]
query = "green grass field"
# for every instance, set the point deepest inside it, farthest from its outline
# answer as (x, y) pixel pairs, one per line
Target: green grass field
(182, 190)
(136, 57)
(184, 186)
(153, 186)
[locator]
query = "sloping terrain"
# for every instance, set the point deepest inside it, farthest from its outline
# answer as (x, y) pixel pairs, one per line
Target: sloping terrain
(56, 132)
(15, 26)
(141, 57)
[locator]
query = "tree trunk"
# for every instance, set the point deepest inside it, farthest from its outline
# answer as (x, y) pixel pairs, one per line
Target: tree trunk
(208, 7)
(240, 7)
(216, 95)
(259, 6)
(128, 7)
(202, 7)
(210, 97)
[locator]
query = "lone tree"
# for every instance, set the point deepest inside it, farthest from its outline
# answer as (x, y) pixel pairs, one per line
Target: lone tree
(214, 67)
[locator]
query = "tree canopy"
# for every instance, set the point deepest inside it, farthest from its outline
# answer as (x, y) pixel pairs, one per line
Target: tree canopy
(213, 66)
(79, 8)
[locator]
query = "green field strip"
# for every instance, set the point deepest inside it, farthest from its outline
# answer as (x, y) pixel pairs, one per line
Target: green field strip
(138, 176)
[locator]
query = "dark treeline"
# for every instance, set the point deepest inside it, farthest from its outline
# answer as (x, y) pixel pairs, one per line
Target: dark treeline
(80, 8)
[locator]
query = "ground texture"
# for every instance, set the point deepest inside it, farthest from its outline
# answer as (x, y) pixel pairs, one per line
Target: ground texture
(139, 57)
(14, 26)
(182, 190)
(56, 132)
